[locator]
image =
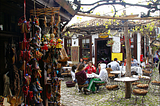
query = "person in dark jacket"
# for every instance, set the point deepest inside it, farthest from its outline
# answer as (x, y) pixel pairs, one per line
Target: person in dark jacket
(81, 75)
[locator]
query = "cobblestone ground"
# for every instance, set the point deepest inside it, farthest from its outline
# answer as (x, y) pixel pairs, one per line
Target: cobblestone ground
(71, 96)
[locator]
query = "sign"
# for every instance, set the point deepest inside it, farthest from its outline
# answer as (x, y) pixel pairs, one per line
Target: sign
(103, 35)
(119, 56)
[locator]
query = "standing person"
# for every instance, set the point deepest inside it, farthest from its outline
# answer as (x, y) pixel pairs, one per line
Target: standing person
(101, 78)
(81, 75)
(125, 61)
(73, 73)
(114, 65)
(90, 68)
(134, 62)
(156, 58)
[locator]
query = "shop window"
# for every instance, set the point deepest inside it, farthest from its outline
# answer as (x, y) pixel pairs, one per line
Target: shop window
(85, 43)
(86, 49)
(68, 44)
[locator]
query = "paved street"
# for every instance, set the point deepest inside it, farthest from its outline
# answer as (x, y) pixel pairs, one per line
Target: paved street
(71, 97)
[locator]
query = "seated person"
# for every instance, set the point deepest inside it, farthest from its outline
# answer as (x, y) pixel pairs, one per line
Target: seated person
(134, 62)
(90, 68)
(114, 65)
(101, 78)
(73, 73)
(98, 69)
(85, 63)
(81, 75)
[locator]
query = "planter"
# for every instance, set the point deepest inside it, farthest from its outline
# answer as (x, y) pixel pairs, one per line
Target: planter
(85, 58)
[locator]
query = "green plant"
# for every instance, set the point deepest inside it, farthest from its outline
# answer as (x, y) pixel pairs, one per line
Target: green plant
(110, 42)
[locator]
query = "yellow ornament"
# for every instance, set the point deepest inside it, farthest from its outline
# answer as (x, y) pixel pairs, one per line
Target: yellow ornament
(59, 45)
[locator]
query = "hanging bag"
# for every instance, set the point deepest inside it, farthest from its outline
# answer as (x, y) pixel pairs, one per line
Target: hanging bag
(63, 57)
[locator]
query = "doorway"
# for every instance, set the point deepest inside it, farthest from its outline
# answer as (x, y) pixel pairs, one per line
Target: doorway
(102, 51)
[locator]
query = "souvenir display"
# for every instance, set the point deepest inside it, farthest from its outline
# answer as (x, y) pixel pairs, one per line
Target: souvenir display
(35, 52)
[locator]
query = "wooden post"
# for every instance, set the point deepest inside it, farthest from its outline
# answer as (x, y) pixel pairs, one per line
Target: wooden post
(128, 56)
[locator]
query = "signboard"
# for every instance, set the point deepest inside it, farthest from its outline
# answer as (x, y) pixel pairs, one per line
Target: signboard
(103, 35)
(119, 56)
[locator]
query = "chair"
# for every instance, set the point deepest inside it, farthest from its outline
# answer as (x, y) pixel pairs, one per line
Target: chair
(139, 92)
(110, 75)
(156, 84)
(84, 87)
(147, 72)
(112, 89)
(141, 88)
(101, 84)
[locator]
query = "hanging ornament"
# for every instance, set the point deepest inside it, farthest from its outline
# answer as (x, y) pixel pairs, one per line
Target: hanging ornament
(59, 45)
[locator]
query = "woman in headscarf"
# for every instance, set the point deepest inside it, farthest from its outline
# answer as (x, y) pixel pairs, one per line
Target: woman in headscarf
(101, 78)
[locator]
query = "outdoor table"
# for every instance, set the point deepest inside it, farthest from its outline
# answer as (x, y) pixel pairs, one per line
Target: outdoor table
(67, 67)
(126, 79)
(134, 68)
(142, 76)
(90, 76)
(119, 72)
(67, 72)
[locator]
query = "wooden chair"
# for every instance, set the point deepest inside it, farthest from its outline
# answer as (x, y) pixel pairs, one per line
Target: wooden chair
(147, 72)
(101, 84)
(110, 75)
(139, 92)
(84, 86)
(141, 89)
(156, 85)
(112, 89)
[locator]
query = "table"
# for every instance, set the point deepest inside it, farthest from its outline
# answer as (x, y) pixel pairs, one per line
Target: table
(142, 76)
(66, 67)
(90, 75)
(118, 72)
(126, 80)
(134, 68)
(67, 72)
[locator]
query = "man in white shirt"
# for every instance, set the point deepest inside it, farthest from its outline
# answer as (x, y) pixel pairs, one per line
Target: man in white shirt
(114, 65)
(101, 78)
(134, 62)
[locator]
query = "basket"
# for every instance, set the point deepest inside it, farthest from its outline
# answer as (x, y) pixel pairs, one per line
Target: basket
(70, 84)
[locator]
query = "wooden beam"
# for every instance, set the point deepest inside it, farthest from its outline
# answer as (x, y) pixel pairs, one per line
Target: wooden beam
(132, 17)
(66, 6)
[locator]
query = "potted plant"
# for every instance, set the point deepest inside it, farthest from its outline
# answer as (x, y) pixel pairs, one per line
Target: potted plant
(85, 57)
(69, 56)
(110, 43)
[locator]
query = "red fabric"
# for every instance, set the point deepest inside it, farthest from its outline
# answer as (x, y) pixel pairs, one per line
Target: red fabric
(99, 70)
(141, 57)
(124, 64)
(90, 69)
(129, 40)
